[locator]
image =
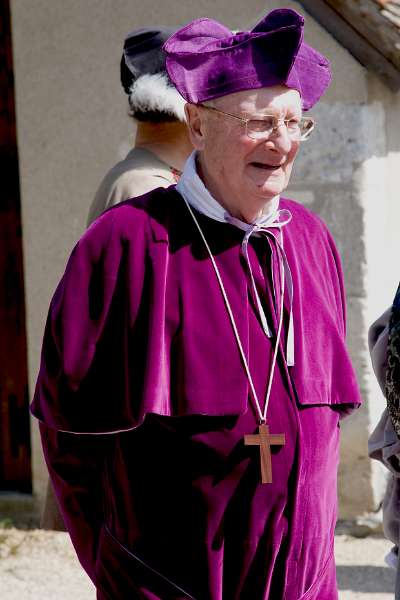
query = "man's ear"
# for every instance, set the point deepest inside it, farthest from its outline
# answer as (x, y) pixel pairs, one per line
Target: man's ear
(195, 118)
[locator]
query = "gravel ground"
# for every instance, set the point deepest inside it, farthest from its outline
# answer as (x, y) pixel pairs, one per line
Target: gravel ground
(41, 565)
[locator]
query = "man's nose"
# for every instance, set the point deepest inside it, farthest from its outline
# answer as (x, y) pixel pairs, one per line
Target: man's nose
(280, 138)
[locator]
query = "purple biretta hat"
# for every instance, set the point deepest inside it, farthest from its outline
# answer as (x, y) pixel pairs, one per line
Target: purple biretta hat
(205, 60)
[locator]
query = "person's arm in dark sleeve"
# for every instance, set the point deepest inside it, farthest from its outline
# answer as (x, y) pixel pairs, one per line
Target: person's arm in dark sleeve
(76, 466)
(80, 398)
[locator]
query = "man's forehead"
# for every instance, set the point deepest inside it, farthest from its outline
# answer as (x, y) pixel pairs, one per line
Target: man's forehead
(274, 99)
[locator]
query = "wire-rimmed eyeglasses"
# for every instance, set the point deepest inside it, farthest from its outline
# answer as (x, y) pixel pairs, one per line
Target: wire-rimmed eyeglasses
(298, 129)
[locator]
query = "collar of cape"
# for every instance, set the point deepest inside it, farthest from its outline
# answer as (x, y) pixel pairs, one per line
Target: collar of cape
(192, 188)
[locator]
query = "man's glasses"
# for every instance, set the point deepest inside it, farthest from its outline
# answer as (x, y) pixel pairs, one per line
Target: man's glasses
(258, 129)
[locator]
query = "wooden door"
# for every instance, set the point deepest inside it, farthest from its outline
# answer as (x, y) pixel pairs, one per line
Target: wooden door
(15, 472)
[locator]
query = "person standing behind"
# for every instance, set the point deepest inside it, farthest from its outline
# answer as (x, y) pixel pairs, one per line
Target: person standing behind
(162, 142)
(384, 442)
(162, 146)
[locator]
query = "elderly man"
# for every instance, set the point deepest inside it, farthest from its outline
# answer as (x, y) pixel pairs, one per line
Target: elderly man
(194, 367)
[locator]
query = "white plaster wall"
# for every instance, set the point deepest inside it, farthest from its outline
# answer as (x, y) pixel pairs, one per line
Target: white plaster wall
(347, 173)
(72, 127)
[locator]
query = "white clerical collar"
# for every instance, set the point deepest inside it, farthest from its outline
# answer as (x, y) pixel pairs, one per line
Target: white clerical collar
(191, 187)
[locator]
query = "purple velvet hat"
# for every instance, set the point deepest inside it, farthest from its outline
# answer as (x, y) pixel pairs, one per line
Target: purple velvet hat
(206, 60)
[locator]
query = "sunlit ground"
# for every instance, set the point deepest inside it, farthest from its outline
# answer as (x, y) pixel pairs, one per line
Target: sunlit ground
(41, 565)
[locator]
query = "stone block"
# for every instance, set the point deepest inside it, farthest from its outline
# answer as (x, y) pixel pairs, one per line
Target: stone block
(344, 137)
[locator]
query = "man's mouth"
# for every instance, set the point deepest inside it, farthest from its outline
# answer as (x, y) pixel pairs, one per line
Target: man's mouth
(265, 166)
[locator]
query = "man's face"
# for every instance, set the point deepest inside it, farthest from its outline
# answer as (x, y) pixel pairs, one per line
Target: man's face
(243, 173)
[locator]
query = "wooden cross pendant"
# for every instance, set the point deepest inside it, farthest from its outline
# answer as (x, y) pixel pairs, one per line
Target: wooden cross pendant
(265, 440)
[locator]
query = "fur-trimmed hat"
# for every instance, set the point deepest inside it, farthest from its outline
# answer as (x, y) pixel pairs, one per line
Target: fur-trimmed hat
(144, 78)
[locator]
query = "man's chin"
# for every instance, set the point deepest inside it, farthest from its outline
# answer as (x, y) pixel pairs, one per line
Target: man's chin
(269, 191)
(268, 187)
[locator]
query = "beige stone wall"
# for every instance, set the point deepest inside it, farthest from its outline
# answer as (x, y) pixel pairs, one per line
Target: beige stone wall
(72, 127)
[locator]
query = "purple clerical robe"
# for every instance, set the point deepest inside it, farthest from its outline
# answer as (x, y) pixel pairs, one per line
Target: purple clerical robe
(143, 403)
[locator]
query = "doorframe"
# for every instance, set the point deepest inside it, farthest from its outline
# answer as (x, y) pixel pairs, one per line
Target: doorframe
(15, 451)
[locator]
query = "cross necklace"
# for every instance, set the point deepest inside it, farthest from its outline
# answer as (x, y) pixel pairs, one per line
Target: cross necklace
(264, 439)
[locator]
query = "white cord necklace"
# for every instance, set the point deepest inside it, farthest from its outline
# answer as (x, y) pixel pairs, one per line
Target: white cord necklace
(264, 439)
(262, 414)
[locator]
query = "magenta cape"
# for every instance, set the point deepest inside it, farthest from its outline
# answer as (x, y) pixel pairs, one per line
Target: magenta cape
(138, 344)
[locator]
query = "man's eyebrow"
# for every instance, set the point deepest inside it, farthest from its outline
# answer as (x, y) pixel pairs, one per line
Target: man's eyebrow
(279, 114)
(258, 114)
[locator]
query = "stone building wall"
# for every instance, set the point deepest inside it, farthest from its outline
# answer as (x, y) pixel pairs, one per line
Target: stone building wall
(72, 126)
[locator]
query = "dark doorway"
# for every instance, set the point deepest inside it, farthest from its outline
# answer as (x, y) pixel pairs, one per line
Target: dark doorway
(15, 469)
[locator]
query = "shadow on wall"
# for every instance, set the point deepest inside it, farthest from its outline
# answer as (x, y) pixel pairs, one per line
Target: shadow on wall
(375, 580)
